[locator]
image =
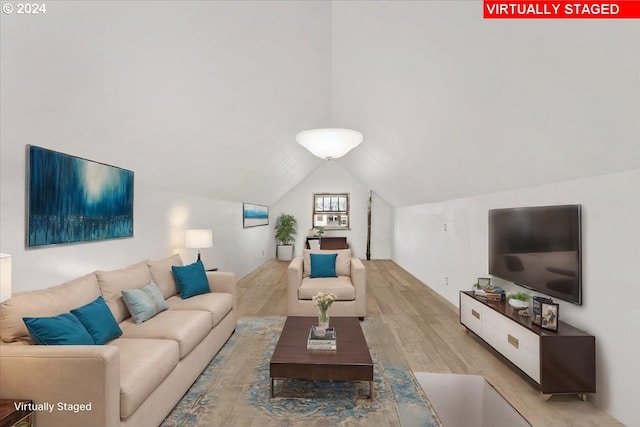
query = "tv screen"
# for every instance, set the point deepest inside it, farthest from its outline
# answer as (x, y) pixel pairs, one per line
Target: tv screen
(538, 248)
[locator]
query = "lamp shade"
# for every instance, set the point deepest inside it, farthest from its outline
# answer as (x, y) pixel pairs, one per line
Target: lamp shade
(5, 277)
(198, 238)
(329, 143)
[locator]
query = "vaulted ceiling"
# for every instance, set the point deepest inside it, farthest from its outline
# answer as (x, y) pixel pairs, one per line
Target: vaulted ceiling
(207, 97)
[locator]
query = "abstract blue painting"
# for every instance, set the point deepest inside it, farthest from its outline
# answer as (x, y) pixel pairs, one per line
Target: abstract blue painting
(254, 215)
(71, 199)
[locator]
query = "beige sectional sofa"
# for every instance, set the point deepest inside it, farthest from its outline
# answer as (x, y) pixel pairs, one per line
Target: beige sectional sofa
(133, 380)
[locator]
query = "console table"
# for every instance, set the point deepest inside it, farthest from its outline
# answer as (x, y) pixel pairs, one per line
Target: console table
(558, 362)
(14, 415)
(330, 242)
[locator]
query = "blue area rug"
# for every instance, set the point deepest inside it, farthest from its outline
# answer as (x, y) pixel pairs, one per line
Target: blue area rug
(234, 390)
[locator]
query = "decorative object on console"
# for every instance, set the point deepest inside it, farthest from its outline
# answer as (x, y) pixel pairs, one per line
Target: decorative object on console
(286, 229)
(519, 300)
(536, 319)
(329, 143)
(323, 301)
(484, 282)
(550, 313)
(5, 277)
(254, 215)
(200, 238)
(71, 199)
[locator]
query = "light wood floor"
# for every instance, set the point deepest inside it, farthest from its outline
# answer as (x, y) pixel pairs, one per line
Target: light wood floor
(427, 330)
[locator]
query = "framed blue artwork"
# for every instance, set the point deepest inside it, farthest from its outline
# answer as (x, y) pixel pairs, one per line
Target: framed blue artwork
(71, 199)
(254, 215)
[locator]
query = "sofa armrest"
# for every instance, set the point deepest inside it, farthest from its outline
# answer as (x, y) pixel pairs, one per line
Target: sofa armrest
(359, 280)
(59, 375)
(222, 281)
(294, 280)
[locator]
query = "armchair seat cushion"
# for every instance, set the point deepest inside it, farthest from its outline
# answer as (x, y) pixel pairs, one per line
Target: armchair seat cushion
(340, 286)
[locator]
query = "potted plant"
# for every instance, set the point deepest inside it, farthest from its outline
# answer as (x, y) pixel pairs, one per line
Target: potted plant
(286, 229)
(320, 231)
(519, 300)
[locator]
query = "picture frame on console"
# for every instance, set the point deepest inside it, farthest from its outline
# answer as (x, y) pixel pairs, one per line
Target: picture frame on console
(484, 282)
(550, 312)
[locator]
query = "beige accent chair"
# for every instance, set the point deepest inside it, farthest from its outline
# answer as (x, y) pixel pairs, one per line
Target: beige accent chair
(350, 286)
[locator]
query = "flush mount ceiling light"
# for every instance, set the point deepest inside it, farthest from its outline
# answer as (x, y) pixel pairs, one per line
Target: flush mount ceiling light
(329, 143)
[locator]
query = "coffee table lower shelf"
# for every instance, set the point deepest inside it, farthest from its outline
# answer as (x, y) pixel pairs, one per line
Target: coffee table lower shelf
(350, 362)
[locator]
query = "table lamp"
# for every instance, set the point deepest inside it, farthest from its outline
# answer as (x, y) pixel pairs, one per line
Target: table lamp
(198, 239)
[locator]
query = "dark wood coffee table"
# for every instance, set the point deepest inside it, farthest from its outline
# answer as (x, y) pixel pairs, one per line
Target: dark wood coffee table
(350, 362)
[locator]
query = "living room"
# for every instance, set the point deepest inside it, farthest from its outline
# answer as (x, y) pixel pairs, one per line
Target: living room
(202, 101)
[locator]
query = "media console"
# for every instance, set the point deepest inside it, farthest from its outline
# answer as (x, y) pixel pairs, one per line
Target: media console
(558, 362)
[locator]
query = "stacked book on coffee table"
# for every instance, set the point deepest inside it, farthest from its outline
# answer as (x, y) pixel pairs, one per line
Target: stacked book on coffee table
(319, 341)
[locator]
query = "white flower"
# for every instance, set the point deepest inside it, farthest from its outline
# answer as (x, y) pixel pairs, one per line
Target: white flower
(323, 300)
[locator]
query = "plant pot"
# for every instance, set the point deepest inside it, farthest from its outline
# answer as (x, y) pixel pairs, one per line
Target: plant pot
(285, 252)
(516, 303)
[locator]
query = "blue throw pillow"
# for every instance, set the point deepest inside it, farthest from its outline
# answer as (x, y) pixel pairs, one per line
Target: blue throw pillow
(144, 303)
(191, 279)
(64, 329)
(323, 265)
(98, 320)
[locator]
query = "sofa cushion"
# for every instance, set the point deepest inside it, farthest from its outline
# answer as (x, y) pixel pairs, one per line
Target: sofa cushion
(144, 303)
(343, 261)
(340, 286)
(323, 265)
(186, 327)
(98, 320)
(216, 303)
(163, 276)
(144, 364)
(191, 279)
(44, 302)
(113, 282)
(63, 329)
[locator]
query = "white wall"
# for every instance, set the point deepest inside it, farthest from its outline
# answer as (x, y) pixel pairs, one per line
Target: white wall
(333, 178)
(160, 218)
(611, 249)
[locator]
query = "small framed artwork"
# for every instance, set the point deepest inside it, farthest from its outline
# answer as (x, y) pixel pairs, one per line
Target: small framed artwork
(549, 315)
(254, 215)
(484, 282)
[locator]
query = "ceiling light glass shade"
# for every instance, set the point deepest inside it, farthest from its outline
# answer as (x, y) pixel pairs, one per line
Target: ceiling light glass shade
(329, 143)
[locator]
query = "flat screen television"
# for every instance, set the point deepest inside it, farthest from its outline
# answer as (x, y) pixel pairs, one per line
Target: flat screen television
(538, 248)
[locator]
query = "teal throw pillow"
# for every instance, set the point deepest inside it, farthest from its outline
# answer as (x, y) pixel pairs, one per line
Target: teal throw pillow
(191, 279)
(323, 265)
(64, 329)
(144, 303)
(98, 320)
